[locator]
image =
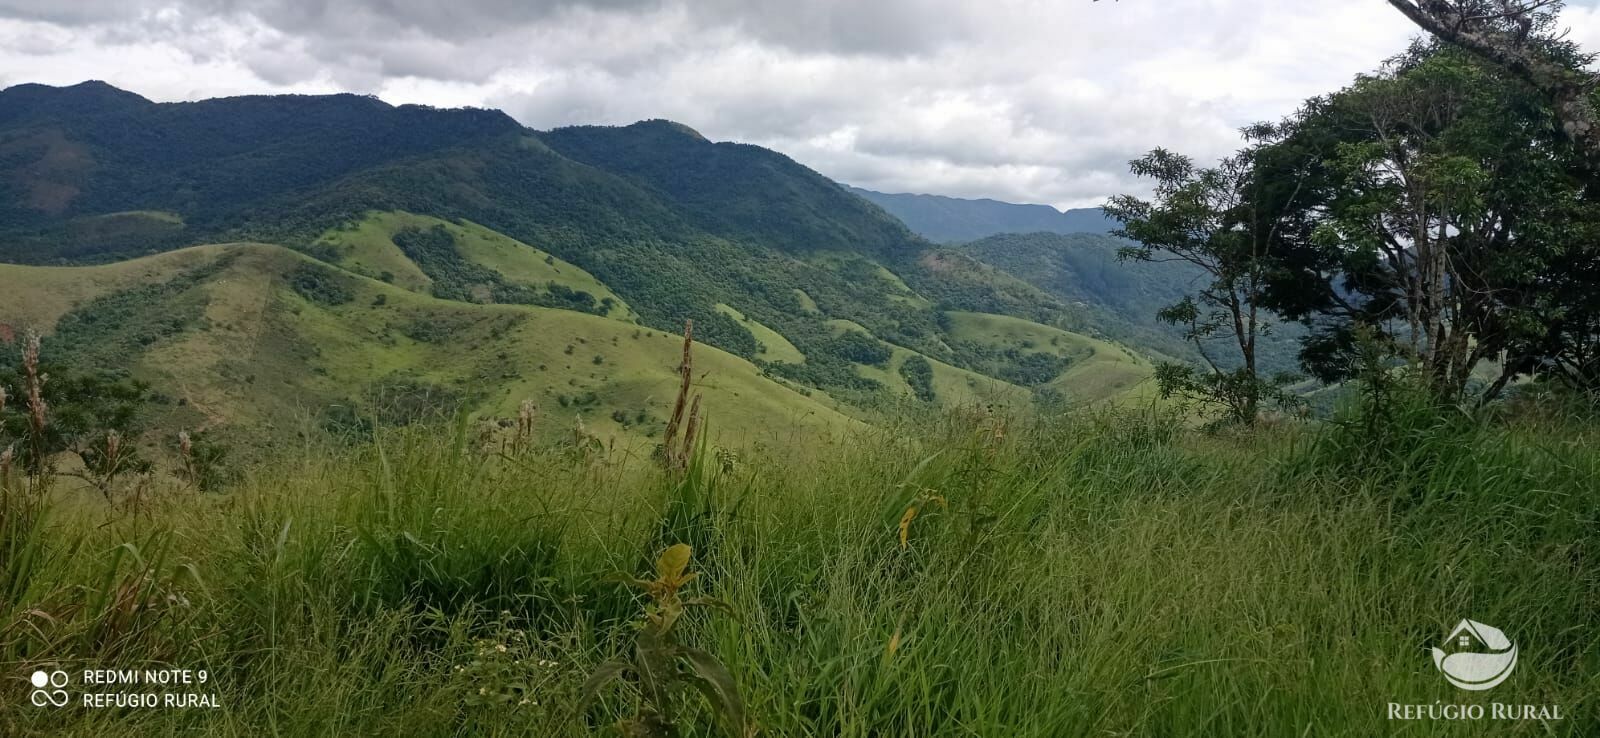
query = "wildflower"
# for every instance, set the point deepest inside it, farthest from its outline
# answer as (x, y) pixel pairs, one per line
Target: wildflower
(501, 647)
(483, 691)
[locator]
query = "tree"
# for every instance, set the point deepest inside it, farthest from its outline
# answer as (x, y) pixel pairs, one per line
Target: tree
(1211, 219)
(94, 416)
(1437, 209)
(1518, 36)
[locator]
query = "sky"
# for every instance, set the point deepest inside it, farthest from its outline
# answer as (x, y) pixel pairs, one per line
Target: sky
(1020, 100)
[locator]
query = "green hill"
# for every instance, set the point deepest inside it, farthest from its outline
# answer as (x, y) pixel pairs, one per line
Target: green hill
(262, 340)
(390, 213)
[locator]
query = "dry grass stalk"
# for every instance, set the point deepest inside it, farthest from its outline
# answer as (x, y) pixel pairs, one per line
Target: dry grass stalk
(676, 456)
(690, 431)
(186, 456)
(6, 457)
(110, 465)
(526, 414)
(38, 412)
(35, 383)
(7, 454)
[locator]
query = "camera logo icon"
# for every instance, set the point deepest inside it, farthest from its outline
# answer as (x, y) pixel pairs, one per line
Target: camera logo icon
(48, 689)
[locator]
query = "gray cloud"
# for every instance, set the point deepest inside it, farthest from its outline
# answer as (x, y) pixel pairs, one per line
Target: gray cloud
(1026, 100)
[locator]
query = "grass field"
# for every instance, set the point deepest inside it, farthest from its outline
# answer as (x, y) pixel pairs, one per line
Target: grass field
(1098, 574)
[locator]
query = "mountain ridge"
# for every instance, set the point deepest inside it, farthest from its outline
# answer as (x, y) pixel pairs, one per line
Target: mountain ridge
(957, 220)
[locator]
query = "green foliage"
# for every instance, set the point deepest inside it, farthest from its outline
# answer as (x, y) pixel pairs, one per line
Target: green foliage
(208, 160)
(83, 406)
(919, 374)
(104, 331)
(455, 278)
(1436, 209)
(662, 666)
(371, 589)
(320, 285)
(1115, 297)
(1212, 220)
(395, 402)
(858, 347)
(203, 461)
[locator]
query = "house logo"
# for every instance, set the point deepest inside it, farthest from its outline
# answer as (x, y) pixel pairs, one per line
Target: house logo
(1479, 657)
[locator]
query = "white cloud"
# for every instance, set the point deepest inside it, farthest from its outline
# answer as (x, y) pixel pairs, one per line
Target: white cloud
(1023, 100)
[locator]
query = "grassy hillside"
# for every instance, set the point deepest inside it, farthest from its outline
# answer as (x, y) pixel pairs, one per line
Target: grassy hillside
(266, 344)
(263, 341)
(1094, 370)
(366, 246)
(1094, 575)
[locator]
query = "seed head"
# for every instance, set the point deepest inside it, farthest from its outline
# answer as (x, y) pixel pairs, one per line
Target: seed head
(35, 381)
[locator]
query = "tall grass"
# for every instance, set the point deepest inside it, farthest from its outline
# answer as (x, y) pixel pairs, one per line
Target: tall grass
(1096, 574)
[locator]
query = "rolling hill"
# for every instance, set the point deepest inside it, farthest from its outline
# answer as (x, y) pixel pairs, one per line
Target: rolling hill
(269, 258)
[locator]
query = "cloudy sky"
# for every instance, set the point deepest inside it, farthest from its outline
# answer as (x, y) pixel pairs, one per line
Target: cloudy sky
(1022, 100)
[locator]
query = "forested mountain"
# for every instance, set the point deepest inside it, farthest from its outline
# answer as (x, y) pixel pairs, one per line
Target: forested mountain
(648, 224)
(954, 220)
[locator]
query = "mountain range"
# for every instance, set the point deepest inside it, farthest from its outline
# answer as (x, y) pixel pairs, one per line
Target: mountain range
(265, 261)
(955, 220)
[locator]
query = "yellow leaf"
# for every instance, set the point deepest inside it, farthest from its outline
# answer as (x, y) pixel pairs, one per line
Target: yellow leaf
(669, 568)
(905, 524)
(894, 644)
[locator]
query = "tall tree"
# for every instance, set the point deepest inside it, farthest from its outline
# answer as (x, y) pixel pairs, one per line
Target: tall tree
(1435, 215)
(1209, 218)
